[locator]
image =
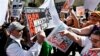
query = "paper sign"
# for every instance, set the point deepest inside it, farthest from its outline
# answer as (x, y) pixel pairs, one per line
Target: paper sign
(53, 12)
(91, 4)
(61, 42)
(80, 11)
(37, 19)
(3, 11)
(67, 5)
(16, 9)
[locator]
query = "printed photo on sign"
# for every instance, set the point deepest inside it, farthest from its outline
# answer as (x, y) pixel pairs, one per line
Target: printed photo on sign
(55, 39)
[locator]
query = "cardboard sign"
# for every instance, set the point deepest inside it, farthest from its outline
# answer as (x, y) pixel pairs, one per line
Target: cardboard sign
(37, 19)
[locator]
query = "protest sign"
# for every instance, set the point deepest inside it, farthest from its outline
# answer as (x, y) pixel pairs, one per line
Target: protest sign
(55, 17)
(37, 19)
(55, 39)
(67, 5)
(3, 11)
(16, 10)
(16, 1)
(91, 4)
(80, 11)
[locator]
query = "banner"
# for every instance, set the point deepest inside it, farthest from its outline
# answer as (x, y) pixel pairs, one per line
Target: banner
(91, 4)
(37, 19)
(55, 39)
(51, 6)
(3, 10)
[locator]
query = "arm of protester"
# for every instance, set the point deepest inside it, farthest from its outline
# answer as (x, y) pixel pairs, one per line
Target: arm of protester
(15, 50)
(82, 31)
(41, 37)
(36, 48)
(76, 38)
(95, 49)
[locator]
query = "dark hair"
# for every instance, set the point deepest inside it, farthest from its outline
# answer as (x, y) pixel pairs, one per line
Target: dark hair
(32, 4)
(96, 32)
(5, 25)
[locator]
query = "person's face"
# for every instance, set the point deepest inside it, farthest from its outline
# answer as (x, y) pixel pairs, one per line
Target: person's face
(95, 19)
(95, 39)
(17, 33)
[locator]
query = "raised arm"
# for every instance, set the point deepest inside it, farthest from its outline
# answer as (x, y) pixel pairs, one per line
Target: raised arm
(82, 31)
(76, 38)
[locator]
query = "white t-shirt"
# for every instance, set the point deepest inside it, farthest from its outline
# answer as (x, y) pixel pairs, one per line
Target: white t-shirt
(87, 44)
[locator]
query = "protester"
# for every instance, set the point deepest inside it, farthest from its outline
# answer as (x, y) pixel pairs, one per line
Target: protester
(87, 42)
(3, 39)
(92, 19)
(47, 49)
(86, 30)
(92, 26)
(13, 46)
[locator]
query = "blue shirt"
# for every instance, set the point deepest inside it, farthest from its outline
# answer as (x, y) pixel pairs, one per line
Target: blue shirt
(15, 50)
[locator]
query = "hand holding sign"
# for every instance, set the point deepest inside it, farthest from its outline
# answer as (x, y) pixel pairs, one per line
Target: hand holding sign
(64, 32)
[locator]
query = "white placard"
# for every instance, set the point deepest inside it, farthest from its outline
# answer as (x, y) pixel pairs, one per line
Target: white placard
(16, 9)
(3, 10)
(91, 4)
(51, 6)
(80, 11)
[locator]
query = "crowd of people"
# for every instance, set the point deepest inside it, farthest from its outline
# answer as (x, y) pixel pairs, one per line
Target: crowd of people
(15, 37)
(90, 24)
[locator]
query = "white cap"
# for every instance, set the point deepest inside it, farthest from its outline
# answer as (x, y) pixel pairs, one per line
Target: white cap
(15, 26)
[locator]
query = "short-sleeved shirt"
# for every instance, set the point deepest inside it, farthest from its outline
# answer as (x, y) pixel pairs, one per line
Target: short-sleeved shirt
(87, 44)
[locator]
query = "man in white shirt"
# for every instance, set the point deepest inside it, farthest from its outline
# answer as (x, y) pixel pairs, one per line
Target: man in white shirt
(89, 43)
(13, 46)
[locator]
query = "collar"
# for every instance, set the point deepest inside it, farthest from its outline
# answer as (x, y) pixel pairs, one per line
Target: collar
(16, 39)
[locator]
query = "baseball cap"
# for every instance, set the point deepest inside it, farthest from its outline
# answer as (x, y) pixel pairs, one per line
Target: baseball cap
(15, 26)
